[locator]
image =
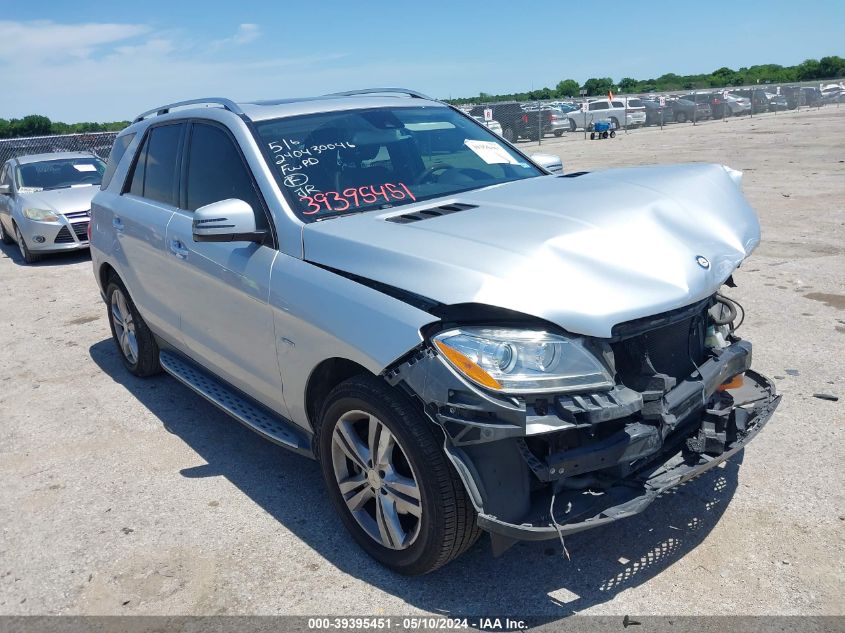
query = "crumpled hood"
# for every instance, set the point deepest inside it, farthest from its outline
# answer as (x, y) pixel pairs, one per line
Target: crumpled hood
(585, 253)
(61, 200)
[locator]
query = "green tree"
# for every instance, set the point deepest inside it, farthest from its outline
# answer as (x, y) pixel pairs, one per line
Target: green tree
(598, 86)
(567, 88)
(627, 84)
(809, 69)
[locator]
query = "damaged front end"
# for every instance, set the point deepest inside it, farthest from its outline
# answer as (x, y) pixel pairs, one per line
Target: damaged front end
(542, 465)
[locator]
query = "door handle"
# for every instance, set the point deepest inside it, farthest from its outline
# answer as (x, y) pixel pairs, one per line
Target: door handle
(117, 223)
(178, 249)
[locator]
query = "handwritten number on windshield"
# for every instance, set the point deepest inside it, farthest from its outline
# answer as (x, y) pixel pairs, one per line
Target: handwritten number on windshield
(355, 197)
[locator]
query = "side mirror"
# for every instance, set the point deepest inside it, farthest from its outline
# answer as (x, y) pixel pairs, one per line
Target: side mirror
(550, 162)
(5, 190)
(229, 220)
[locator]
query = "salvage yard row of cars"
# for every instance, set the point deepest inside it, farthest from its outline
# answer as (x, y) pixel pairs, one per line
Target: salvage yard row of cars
(527, 121)
(465, 341)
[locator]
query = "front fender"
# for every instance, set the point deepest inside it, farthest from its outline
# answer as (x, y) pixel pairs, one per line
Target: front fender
(372, 329)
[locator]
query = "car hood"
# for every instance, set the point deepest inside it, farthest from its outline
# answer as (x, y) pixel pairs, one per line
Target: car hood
(61, 200)
(584, 253)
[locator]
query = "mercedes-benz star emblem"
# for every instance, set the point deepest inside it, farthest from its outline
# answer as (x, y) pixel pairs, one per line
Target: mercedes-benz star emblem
(702, 261)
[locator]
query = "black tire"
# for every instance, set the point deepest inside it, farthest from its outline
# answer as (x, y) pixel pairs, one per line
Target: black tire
(605, 134)
(681, 117)
(509, 135)
(558, 133)
(28, 256)
(447, 523)
(572, 125)
(592, 136)
(146, 361)
(612, 134)
(5, 237)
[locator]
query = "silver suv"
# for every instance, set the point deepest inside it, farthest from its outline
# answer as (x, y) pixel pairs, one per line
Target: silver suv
(464, 341)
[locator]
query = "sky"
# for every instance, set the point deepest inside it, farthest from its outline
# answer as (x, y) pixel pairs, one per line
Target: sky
(105, 61)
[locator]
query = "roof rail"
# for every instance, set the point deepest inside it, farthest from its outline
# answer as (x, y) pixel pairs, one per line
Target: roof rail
(227, 104)
(369, 91)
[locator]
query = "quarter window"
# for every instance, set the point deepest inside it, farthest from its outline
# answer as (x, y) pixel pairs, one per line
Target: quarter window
(117, 152)
(154, 176)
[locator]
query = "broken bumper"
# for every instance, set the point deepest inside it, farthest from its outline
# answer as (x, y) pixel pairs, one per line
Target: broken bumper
(653, 441)
(636, 492)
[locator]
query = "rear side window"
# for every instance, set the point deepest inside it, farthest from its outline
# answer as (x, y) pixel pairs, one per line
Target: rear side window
(600, 105)
(217, 172)
(117, 152)
(154, 175)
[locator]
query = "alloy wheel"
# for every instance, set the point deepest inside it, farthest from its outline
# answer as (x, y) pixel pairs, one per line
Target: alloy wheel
(376, 480)
(124, 326)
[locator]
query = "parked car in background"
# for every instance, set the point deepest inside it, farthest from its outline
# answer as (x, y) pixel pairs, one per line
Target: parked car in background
(737, 105)
(654, 114)
(462, 341)
(45, 201)
(812, 96)
(833, 93)
(494, 125)
(756, 97)
(684, 110)
(635, 113)
(794, 97)
(777, 102)
(516, 121)
(599, 110)
(703, 110)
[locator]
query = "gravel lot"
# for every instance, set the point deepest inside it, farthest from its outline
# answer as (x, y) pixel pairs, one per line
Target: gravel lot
(128, 496)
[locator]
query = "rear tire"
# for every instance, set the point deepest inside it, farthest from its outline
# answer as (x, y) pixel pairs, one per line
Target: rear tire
(592, 136)
(680, 117)
(508, 135)
(371, 437)
(558, 133)
(135, 342)
(28, 256)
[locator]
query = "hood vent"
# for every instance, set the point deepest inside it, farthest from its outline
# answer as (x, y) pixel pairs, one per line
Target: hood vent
(433, 212)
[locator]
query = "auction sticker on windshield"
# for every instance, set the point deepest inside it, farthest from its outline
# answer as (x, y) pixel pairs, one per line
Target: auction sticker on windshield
(491, 152)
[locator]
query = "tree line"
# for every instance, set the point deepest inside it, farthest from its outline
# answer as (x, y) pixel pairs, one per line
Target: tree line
(831, 67)
(37, 125)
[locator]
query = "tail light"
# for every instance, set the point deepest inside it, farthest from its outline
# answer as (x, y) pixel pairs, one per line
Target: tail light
(525, 118)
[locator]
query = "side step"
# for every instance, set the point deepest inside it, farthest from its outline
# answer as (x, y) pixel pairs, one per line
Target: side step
(271, 426)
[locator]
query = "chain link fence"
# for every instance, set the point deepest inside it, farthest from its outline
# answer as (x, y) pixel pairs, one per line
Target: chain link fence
(602, 116)
(97, 142)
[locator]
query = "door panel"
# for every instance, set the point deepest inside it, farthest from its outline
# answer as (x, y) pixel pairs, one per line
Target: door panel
(226, 322)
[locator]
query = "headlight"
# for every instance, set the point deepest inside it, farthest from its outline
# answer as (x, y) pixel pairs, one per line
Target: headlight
(522, 361)
(41, 215)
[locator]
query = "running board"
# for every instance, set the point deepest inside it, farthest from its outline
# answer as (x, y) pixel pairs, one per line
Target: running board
(271, 426)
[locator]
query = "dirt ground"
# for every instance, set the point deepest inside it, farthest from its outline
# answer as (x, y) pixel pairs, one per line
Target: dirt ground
(128, 496)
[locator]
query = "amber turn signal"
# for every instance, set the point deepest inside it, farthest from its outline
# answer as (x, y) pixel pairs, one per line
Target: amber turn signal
(469, 368)
(733, 383)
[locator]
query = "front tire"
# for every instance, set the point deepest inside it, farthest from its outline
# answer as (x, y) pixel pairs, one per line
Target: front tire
(389, 479)
(135, 342)
(28, 256)
(5, 237)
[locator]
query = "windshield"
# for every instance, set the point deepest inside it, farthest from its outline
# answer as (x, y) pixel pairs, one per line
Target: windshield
(61, 173)
(336, 163)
